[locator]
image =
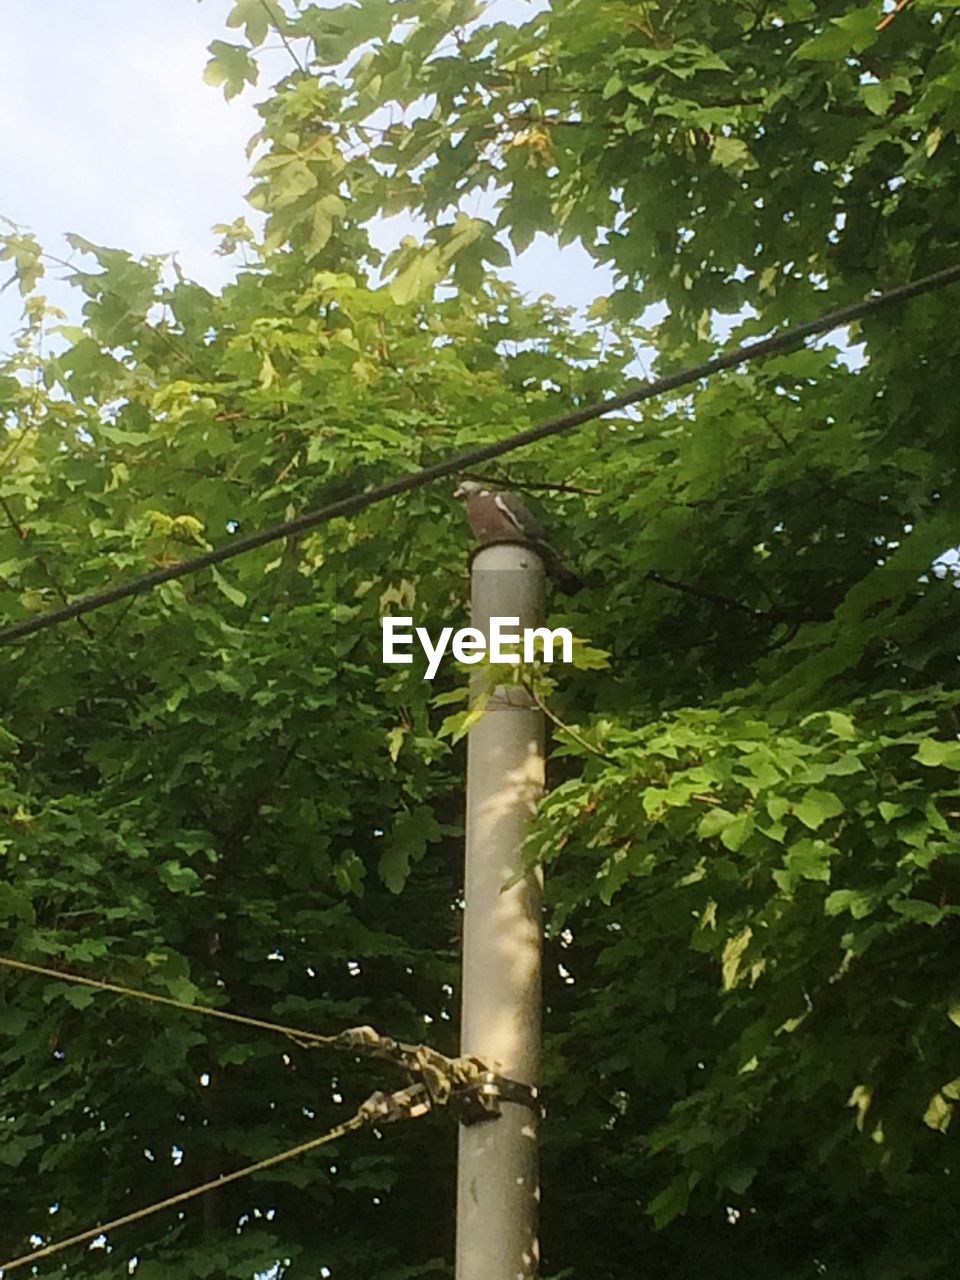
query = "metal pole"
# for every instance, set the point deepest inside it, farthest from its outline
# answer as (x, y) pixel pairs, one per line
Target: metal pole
(498, 1184)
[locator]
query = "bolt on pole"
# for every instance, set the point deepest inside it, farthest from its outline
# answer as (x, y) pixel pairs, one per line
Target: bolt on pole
(498, 1172)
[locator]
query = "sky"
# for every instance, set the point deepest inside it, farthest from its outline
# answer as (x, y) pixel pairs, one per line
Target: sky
(113, 134)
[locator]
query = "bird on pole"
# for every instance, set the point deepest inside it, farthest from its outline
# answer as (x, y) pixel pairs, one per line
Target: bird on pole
(496, 516)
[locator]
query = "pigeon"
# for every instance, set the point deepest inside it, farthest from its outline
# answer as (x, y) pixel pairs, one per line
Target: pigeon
(496, 516)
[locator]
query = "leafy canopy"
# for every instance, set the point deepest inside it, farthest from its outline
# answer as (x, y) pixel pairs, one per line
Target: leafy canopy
(219, 792)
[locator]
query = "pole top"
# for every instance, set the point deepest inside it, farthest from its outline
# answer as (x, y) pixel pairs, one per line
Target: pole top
(506, 553)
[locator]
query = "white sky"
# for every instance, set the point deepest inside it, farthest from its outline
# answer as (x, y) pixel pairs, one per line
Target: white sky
(112, 133)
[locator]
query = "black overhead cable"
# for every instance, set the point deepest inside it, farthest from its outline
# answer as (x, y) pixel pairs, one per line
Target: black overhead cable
(786, 341)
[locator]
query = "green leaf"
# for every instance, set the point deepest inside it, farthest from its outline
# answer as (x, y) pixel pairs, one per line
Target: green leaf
(858, 903)
(935, 753)
(14, 905)
(733, 154)
(777, 807)
(16, 1147)
(733, 953)
(254, 17)
(231, 66)
(233, 594)
(407, 844)
(418, 278)
(459, 724)
(714, 821)
(177, 877)
(587, 657)
(395, 740)
(841, 726)
(350, 873)
(917, 911)
(816, 807)
(79, 997)
(451, 696)
(939, 1113)
(670, 1203)
(326, 211)
(810, 859)
(235, 1055)
(890, 811)
(739, 1178)
(850, 34)
(735, 834)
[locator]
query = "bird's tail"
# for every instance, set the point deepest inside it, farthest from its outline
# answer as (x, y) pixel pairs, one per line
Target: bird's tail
(561, 573)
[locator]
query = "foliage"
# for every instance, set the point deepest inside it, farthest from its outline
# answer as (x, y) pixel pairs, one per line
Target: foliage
(218, 791)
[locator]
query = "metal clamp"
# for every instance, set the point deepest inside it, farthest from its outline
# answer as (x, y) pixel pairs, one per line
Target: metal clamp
(480, 1100)
(405, 1104)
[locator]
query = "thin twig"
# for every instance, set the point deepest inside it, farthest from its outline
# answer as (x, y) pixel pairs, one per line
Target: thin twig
(727, 602)
(566, 728)
(527, 487)
(889, 17)
(275, 23)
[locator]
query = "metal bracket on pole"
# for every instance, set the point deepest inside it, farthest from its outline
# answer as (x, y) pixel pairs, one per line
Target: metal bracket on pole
(481, 1099)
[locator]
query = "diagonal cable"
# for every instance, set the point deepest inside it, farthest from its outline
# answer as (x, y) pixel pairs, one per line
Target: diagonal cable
(294, 1033)
(440, 1074)
(357, 1121)
(777, 344)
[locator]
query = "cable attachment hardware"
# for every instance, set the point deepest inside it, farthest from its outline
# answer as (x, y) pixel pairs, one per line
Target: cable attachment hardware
(467, 1084)
(440, 1076)
(480, 1100)
(404, 1104)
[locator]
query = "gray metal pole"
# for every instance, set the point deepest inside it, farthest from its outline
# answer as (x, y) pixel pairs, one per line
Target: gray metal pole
(498, 1178)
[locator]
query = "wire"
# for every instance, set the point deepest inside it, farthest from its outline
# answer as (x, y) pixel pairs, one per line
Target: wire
(357, 1121)
(362, 1042)
(303, 1037)
(777, 344)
